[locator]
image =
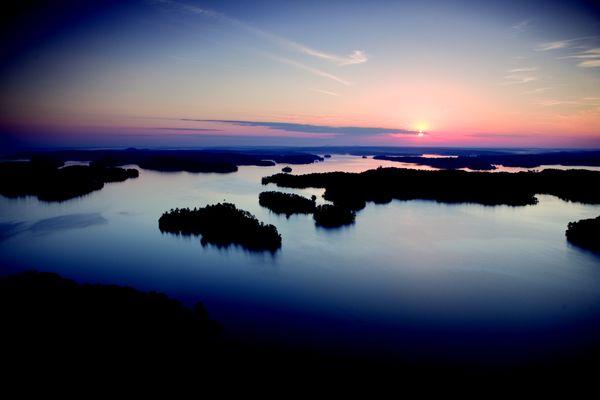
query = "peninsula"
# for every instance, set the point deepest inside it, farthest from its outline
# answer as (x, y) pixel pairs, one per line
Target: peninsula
(48, 180)
(585, 233)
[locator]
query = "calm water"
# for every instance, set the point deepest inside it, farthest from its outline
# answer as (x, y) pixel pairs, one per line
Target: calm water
(415, 277)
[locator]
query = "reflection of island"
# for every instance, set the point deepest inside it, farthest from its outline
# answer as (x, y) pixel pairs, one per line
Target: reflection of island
(330, 216)
(222, 224)
(221, 161)
(353, 190)
(585, 233)
(286, 203)
(45, 179)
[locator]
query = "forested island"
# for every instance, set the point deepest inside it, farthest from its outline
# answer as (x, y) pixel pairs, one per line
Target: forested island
(353, 190)
(48, 180)
(214, 160)
(222, 224)
(332, 216)
(585, 233)
(286, 203)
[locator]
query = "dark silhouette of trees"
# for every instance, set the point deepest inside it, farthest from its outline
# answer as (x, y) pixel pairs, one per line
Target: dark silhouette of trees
(585, 233)
(219, 161)
(43, 177)
(222, 224)
(485, 161)
(353, 190)
(286, 203)
(331, 216)
(286, 169)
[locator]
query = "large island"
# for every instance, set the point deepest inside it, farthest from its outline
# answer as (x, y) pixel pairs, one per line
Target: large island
(222, 224)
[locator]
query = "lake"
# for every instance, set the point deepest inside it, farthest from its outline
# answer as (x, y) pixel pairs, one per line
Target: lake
(415, 278)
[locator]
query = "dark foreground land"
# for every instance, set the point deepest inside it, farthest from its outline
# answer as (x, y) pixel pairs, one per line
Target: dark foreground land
(354, 190)
(45, 179)
(222, 225)
(56, 330)
(585, 233)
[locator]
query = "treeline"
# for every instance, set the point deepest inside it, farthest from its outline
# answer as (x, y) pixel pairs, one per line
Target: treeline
(484, 161)
(219, 161)
(353, 190)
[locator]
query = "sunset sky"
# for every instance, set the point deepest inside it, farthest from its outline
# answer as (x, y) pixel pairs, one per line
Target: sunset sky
(223, 73)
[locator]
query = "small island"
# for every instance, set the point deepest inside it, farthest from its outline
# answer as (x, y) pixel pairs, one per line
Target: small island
(332, 216)
(286, 203)
(48, 180)
(585, 233)
(222, 224)
(286, 169)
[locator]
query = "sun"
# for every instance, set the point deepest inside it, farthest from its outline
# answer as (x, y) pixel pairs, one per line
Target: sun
(420, 127)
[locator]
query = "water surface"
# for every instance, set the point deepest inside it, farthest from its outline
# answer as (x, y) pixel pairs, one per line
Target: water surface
(414, 277)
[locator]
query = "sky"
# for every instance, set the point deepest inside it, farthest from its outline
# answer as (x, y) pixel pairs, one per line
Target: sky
(300, 73)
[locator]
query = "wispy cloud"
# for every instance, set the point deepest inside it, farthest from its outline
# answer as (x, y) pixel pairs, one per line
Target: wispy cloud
(589, 64)
(327, 92)
(312, 70)
(523, 69)
(589, 101)
(522, 26)
(308, 128)
(590, 57)
(554, 102)
(537, 90)
(518, 79)
(563, 44)
(355, 57)
(559, 44)
(587, 54)
(187, 129)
